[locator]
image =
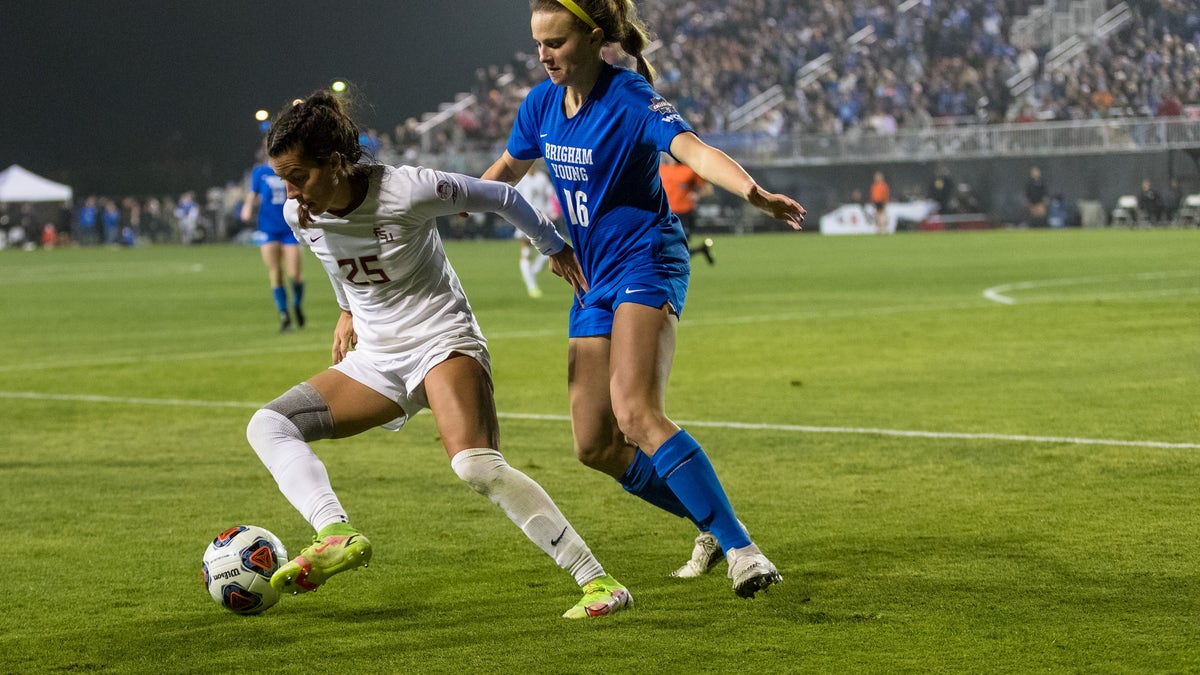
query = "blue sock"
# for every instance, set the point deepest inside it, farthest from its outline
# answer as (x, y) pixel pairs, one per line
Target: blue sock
(681, 462)
(297, 292)
(280, 298)
(642, 481)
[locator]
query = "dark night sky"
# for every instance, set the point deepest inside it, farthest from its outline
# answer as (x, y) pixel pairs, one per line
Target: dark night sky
(132, 96)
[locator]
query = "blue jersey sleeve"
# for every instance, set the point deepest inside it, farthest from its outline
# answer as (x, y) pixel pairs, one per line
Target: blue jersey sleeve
(660, 122)
(524, 142)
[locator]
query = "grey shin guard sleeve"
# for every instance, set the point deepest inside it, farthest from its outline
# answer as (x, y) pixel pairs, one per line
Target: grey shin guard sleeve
(305, 408)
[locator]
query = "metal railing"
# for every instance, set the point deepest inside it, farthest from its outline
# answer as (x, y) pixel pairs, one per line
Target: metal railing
(1035, 139)
(1087, 25)
(1055, 22)
(1134, 134)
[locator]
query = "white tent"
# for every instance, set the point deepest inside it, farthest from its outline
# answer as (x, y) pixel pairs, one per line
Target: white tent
(18, 184)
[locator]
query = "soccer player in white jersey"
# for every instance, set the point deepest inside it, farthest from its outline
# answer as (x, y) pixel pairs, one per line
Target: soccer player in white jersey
(600, 129)
(406, 340)
(537, 189)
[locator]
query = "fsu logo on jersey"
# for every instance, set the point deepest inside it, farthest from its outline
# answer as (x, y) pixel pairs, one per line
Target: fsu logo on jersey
(663, 107)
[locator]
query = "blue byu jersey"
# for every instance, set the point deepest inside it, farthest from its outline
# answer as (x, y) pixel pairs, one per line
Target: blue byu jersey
(604, 164)
(264, 182)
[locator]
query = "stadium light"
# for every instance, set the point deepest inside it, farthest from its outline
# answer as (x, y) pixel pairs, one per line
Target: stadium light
(264, 120)
(338, 86)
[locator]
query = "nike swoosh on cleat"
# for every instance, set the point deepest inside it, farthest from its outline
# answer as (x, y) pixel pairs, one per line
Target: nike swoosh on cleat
(554, 542)
(324, 546)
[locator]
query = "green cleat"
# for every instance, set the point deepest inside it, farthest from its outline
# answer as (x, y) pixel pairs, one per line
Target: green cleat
(601, 596)
(328, 555)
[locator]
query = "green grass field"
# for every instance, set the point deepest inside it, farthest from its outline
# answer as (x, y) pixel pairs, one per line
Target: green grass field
(973, 452)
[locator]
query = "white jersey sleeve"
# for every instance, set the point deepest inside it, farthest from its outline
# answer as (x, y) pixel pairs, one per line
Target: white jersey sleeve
(537, 189)
(456, 193)
(449, 193)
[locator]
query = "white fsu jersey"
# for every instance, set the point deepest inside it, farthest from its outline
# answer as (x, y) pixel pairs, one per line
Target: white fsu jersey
(387, 263)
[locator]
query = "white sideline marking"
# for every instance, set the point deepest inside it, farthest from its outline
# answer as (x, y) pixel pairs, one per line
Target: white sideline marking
(86, 398)
(797, 428)
(153, 358)
(96, 271)
(323, 347)
(313, 347)
(999, 293)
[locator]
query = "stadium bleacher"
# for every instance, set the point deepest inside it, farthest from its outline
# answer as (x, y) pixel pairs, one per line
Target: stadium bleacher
(776, 68)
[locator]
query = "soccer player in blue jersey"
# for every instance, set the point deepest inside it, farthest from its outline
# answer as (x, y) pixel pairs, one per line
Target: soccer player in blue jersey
(280, 250)
(600, 129)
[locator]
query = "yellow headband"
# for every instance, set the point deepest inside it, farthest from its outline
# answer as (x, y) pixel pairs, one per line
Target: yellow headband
(578, 11)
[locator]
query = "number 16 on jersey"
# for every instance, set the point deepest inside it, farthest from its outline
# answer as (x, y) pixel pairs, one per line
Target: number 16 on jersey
(577, 209)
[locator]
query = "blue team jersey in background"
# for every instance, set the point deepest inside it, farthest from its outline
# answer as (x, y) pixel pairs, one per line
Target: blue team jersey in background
(604, 165)
(264, 182)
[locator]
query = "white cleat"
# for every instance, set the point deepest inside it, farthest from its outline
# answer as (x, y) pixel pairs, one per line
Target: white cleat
(705, 555)
(750, 571)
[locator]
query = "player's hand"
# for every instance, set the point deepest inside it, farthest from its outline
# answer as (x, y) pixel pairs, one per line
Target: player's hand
(566, 265)
(780, 207)
(344, 338)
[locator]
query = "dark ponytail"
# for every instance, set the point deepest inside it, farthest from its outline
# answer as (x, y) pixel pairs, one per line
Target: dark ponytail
(317, 127)
(634, 37)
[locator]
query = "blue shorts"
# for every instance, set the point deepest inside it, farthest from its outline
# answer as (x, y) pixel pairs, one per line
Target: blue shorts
(284, 237)
(594, 316)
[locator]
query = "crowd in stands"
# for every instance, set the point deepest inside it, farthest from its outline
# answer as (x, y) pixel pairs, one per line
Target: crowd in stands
(186, 219)
(1149, 67)
(924, 64)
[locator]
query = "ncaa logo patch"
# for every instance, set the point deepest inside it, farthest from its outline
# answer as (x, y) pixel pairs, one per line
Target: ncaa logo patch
(663, 107)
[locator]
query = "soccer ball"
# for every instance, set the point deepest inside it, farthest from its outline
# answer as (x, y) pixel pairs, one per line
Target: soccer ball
(238, 565)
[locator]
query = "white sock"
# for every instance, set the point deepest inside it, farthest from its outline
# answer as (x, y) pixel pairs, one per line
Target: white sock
(527, 504)
(537, 264)
(300, 474)
(527, 271)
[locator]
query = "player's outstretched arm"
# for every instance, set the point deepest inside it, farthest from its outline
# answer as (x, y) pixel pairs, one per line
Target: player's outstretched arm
(478, 195)
(721, 170)
(508, 169)
(780, 207)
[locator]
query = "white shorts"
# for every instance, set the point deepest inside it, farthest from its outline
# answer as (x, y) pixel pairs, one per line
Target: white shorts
(401, 377)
